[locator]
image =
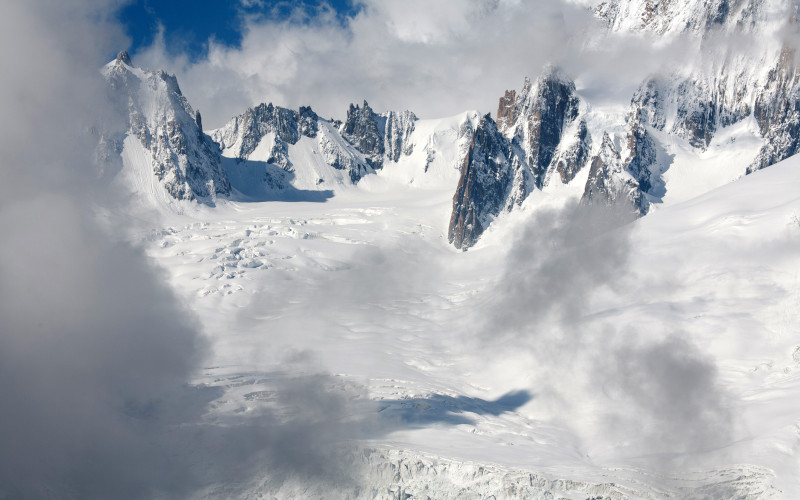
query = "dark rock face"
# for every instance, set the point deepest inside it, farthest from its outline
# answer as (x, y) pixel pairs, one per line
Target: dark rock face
(484, 185)
(506, 110)
(701, 105)
(641, 151)
(777, 111)
(251, 126)
(572, 156)
(649, 99)
(539, 135)
(185, 161)
(544, 123)
(124, 58)
(398, 128)
(718, 13)
(696, 118)
(362, 131)
(609, 183)
(308, 122)
(543, 113)
(379, 137)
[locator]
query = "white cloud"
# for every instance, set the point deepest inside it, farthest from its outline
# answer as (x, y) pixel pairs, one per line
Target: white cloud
(436, 60)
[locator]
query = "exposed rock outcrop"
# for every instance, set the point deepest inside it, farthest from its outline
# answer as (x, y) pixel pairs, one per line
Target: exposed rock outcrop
(539, 136)
(265, 132)
(571, 155)
(506, 110)
(379, 138)
(245, 132)
(609, 182)
(541, 114)
(484, 185)
(185, 161)
(777, 112)
(640, 152)
(362, 131)
(398, 127)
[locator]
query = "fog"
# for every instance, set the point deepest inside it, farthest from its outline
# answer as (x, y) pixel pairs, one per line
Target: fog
(97, 355)
(628, 388)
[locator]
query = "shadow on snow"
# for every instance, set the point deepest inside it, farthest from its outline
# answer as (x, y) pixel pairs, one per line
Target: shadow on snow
(449, 410)
(256, 181)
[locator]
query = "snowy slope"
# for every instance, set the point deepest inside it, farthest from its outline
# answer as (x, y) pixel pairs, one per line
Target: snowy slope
(367, 283)
(178, 154)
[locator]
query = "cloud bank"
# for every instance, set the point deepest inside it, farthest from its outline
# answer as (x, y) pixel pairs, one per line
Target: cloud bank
(434, 59)
(629, 389)
(96, 353)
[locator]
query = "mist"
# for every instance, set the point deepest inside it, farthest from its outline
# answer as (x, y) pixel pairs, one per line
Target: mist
(436, 61)
(97, 355)
(629, 391)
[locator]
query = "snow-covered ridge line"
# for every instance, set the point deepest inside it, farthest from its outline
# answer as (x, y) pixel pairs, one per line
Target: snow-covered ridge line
(553, 133)
(268, 152)
(548, 132)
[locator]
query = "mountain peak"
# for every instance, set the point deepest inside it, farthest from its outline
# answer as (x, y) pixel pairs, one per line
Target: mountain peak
(123, 57)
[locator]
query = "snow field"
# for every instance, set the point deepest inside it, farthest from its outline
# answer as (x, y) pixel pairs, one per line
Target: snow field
(366, 284)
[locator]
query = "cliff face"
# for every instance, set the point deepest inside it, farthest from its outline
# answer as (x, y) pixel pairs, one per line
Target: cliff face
(541, 113)
(506, 110)
(398, 127)
(245, 132)
(379, 137)
(721, 84)
(777, 112)
(571, 155)
(484, 185)
(540, 137)
(610, 183)
(361, 130)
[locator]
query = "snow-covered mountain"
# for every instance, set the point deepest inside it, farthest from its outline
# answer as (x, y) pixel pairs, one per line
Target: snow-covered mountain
(544, 136)
(675, 375)
(723, 84)
(678, 110)
(271, 152)
(267, 152)
(166, 131)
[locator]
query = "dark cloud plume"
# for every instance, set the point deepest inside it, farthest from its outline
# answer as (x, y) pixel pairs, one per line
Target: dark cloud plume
(652, 396)
(96, 353)
(562, 257)
(671, 393)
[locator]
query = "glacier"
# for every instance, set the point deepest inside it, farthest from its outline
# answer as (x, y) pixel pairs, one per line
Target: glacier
(622, 324)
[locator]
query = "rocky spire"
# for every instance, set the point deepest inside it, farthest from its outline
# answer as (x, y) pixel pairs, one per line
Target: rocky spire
(483, 189)
(123, 57)
(361, 130)
(541, 114)
(185, 162)
(609, 183)
(506, 110)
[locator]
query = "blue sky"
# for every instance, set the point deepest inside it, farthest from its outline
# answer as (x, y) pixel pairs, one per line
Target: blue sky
(188, 24)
